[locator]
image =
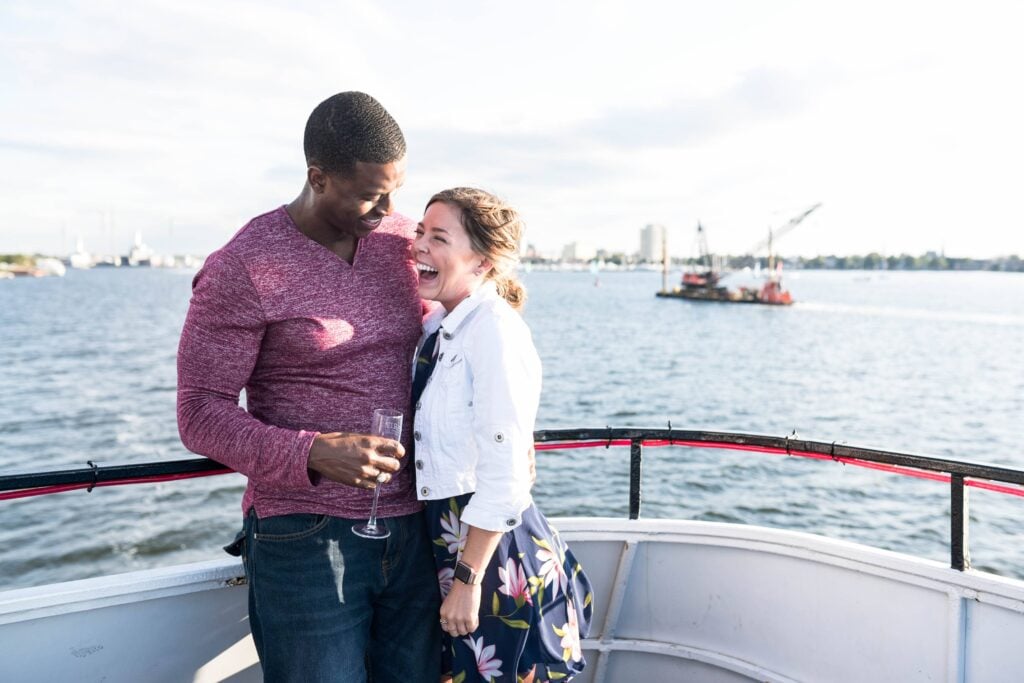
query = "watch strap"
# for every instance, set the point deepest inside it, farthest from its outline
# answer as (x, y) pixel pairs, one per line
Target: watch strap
(467, 575)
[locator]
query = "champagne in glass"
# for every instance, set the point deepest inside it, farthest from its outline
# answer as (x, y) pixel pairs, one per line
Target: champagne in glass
(387, 423)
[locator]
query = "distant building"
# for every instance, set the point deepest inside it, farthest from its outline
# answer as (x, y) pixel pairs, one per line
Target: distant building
(578, 251)
(651, 238)
(140, 254)
(81, 259)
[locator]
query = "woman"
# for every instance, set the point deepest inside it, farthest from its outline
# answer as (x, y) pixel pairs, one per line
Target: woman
(516, 602)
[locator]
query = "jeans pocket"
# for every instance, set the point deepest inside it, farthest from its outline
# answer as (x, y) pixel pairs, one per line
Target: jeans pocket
(237, 546)
(288, 527)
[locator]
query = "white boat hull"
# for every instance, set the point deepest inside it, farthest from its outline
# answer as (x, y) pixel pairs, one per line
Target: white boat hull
(675, 600)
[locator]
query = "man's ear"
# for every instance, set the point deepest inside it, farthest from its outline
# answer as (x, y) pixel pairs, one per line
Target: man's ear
(316, 178)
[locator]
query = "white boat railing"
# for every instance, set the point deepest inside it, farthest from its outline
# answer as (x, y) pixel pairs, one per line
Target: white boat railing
(674, 599)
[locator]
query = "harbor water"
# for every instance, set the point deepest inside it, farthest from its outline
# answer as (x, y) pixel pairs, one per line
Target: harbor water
(923, 362)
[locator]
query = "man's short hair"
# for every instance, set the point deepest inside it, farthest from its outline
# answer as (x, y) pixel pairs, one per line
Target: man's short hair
(350, 127)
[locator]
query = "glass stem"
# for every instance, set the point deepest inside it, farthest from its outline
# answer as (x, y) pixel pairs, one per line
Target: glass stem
(372, 523)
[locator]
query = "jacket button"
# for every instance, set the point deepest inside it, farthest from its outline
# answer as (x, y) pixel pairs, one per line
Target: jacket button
(470, 404)
(441, 356)
(510, 522)
(499, 437)
(425, 491)
(447, 335)
(419, 464)
(416, 435)
(419, 404)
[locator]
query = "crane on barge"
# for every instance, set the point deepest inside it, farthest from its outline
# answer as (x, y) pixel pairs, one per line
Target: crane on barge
(702, 282)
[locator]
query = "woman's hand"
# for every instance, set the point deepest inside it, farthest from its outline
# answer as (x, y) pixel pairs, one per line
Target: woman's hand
(460, 611)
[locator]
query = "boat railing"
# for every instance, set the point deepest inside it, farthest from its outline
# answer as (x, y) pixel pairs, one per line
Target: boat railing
(959, 475)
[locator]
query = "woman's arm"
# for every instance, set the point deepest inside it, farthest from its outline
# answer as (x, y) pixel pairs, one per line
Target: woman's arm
(506, 391)
(506, 377)
(461, 609)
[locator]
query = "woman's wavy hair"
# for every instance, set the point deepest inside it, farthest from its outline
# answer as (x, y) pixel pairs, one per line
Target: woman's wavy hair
(494, 230)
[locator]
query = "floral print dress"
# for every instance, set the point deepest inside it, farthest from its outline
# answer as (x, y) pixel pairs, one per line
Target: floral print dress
(536, 602)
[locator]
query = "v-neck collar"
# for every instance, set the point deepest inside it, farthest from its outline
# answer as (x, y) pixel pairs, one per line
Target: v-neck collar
(317, 245)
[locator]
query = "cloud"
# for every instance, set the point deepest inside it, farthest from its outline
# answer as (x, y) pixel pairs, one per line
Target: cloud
(284, 173)
(525, 159)
(596, 120)
(63, 152)
(759, 95)
(606, 155)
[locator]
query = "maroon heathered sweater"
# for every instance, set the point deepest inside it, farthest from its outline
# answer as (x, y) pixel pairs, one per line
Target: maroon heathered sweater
(316, 343)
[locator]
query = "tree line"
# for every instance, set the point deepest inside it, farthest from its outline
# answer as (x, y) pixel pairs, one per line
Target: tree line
(929, 261)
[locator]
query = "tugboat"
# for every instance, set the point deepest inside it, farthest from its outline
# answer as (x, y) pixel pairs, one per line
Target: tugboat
(702, 282)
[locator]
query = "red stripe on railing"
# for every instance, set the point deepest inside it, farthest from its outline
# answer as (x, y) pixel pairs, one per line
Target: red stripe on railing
(580, 444)
(894, 469)
(61, 488)
(567, 445)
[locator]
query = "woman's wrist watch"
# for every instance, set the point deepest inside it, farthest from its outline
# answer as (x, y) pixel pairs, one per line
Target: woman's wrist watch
(467, 575)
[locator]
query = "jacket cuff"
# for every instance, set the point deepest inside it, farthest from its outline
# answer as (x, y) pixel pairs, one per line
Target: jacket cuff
(490, 519)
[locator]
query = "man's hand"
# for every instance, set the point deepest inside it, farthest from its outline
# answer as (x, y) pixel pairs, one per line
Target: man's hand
(355, 459)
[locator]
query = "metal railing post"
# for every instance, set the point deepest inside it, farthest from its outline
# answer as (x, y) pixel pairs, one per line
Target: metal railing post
(959, 519)
(636, 448)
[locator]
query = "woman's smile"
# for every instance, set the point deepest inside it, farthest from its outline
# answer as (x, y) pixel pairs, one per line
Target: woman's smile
(427, 273)
(448, 267)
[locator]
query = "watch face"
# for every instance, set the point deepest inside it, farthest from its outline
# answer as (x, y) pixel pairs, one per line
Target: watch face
(465, 574)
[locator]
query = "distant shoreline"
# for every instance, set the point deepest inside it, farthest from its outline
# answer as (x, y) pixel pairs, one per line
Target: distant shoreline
(870, 262)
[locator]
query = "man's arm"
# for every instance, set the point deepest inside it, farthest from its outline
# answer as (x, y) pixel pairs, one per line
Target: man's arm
(217, 352)
(219, 347)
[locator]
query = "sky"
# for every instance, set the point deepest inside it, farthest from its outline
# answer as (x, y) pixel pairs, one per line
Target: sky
(182, 119)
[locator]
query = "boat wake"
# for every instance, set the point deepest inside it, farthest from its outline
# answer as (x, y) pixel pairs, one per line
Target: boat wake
(914, 313)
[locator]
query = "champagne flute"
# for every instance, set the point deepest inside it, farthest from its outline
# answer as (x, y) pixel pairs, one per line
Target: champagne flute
(386, 422)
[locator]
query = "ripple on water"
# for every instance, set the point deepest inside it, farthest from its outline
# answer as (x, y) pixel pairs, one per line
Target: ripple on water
(717, 516)
(89, 374)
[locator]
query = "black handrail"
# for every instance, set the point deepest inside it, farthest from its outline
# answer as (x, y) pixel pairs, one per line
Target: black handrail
(957, 469)
(96, 474)
(827, 448)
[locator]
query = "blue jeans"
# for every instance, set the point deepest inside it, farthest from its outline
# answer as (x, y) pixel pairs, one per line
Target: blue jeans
(326, 605)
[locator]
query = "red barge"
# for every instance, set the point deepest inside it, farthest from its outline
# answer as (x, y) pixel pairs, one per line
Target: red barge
(704, 282)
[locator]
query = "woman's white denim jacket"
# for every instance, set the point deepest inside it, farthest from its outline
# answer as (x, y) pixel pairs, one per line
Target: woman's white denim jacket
(474, 422)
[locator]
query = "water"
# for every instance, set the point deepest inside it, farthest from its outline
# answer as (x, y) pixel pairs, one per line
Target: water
(921, 362)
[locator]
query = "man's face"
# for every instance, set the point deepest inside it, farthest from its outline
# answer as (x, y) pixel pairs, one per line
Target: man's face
(354, 203)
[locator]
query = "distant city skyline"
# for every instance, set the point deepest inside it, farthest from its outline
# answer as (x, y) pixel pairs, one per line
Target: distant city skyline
(184, 120)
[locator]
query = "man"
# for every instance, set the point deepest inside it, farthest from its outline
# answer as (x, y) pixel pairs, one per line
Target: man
(312, 309)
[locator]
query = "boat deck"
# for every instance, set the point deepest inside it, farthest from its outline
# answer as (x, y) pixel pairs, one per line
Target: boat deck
(674, 600)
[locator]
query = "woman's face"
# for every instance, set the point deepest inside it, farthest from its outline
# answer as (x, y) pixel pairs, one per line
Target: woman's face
(449, 269)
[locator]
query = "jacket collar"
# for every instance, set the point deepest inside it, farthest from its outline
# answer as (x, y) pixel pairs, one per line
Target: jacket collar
(432, 321)
(451, 322)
